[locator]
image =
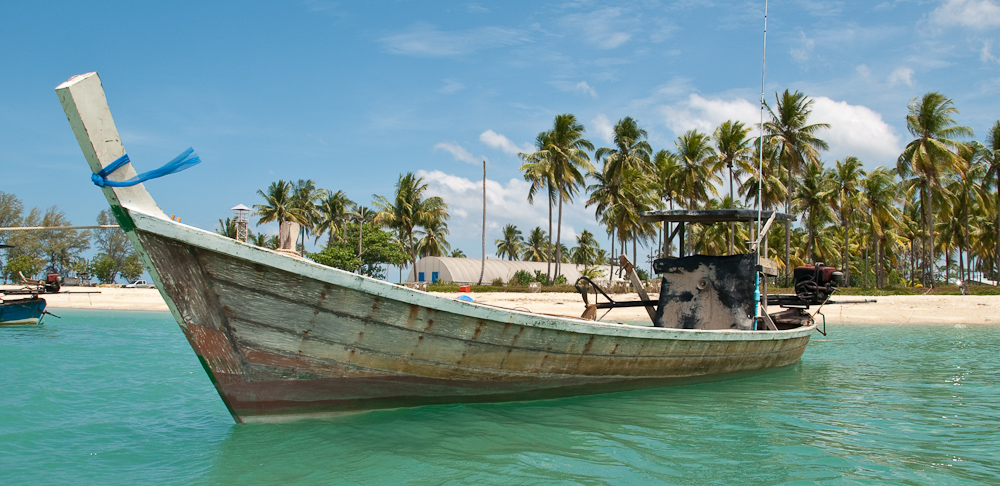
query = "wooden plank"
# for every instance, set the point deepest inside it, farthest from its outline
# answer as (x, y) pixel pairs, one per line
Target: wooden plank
(637, 285)
(769, 267)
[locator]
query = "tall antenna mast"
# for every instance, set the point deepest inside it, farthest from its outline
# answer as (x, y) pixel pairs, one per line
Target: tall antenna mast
(760, 146)
(760, 176)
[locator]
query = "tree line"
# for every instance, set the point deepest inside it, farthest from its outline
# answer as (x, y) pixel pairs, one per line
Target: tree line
(32, 253)
(929, 217)
(888, 227)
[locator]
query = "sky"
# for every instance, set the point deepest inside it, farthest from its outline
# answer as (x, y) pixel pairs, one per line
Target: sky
(354, 94)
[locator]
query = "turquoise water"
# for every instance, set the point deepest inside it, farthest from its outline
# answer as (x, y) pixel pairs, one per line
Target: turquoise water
(119, 398)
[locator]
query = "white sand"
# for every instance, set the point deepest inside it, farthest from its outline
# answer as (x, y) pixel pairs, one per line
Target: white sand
(896, 309)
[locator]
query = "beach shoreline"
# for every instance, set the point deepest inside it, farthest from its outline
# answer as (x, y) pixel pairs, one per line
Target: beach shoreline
(892, 309)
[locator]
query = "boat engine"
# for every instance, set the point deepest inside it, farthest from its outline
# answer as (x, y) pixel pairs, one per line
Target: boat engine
(815, 283)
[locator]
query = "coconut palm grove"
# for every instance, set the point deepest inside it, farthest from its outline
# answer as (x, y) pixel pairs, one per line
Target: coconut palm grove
(931, 218)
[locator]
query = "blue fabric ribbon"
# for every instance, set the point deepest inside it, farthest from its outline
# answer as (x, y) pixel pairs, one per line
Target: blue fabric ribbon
(183, 161)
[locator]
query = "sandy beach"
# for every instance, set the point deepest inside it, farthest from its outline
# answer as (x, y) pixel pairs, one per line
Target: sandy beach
(895, 309)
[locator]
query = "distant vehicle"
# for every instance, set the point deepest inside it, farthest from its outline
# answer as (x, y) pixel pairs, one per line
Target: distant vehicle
(138, 284)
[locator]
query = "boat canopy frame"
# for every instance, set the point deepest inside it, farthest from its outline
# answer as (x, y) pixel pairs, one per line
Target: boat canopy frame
(707, 216)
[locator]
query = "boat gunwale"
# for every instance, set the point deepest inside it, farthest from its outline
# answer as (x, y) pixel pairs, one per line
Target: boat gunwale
(210, 241)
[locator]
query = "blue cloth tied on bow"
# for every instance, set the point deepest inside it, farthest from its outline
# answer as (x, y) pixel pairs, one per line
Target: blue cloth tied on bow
(183, 161)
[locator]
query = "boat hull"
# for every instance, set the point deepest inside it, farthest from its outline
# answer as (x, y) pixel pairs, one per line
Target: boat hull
(281, 337)
(21, 311)
(284, 337)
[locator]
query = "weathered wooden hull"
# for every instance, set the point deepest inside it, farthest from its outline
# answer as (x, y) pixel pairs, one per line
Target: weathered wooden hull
(284, 337)
(21, 311)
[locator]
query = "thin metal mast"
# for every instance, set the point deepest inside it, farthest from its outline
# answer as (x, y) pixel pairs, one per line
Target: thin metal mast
(760, 175)
(760, 145)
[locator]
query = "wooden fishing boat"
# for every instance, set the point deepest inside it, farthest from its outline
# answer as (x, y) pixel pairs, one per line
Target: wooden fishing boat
(281, 336)
(21, 311)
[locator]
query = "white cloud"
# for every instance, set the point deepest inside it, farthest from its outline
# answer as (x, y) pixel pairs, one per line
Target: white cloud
(451, 86)
(499, 141)
(603, 127)
(600, 27)
(855, 130)
(585, 88)
(427, 41)
(571, 87)
(902, 75)
(706, 114)
(804, 51)
(986, 53)
(977, 14)
(458, 152)
(506, 203)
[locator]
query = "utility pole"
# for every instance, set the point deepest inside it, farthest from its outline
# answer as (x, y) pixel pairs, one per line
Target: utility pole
(482, 268)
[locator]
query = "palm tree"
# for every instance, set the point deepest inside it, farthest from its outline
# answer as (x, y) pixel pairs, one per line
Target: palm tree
(847, 179)
(278, 205)
(769, 193)
(457, 253)
(586, 249)
(361, 215)
(732, 147)
(880, 197)
(511, 243)
(227, 228)
(408, 210)
(569, 162)
(433, 239)
(332, 213)
(967, 191)
(933, 150)
(991, 155)
(631, 151)
(813, 199)
(665, 175)
(535, 247)
(797, 140)
(626, 166)
(305, 194)
(537, 169)
(697, 172)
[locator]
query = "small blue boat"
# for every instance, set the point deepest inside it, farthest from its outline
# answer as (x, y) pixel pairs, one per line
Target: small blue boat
(21, 311)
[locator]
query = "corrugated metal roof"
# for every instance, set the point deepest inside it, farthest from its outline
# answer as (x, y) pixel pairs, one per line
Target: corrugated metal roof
(466, 270)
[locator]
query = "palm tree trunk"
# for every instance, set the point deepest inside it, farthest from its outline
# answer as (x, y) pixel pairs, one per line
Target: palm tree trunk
(847, 242)
(635, 257)
(788, 224)
(612, 255)
(929, 255)
(558, 263)
(548, 252)
(482, 264)
(732, 224)
(361, 228)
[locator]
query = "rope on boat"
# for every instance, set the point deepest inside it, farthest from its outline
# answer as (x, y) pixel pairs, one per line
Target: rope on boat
(183, 161)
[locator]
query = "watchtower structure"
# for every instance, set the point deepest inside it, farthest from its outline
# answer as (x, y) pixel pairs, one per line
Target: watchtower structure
(241, 216)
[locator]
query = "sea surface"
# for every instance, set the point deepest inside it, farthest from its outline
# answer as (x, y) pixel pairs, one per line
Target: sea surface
(112, 397)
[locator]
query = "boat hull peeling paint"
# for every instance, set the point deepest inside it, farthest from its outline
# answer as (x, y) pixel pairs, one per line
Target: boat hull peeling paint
(283, 337)
(282, 343)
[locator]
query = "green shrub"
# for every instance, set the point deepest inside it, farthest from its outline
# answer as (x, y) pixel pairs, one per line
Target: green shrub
(520, 277)
(442, 286)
